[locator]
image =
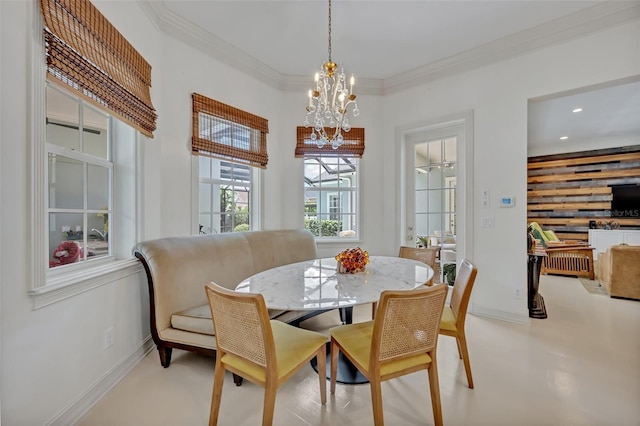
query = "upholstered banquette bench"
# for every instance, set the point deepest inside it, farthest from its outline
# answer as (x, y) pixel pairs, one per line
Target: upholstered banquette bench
(179, 267)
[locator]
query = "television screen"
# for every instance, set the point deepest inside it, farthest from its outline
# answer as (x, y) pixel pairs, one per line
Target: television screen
(626, 201)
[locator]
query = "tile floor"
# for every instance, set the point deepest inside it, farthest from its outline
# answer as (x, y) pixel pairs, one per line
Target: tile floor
(580, 366)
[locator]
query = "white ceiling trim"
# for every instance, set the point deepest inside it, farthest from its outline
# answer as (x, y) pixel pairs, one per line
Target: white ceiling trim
(586, 21)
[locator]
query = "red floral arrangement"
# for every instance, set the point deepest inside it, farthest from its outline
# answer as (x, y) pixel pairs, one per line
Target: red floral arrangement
(352, 260)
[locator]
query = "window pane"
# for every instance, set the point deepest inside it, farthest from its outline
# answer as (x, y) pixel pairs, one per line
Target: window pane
(224, 196)
(94, 135)
(64, 227)
(204, 197)
(65, 182)
(204, 165)
(205, 224)
(330, 196)
(62, 120)
(98, 235)
(98, 187)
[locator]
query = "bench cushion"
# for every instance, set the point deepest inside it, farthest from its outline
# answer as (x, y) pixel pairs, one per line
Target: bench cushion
(198, 319)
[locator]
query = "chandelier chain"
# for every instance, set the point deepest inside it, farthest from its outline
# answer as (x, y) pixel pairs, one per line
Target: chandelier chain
(329, 31)
(330, 99)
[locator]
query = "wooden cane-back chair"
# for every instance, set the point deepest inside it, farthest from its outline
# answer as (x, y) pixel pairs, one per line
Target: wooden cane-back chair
(402, 339)
(265, 352)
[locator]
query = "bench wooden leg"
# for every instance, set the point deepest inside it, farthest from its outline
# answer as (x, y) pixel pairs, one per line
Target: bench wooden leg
(165, 355)
(237, 379)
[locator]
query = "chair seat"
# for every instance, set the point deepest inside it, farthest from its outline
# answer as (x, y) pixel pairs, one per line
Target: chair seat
(292, 344)
(448, 321)
(356, 339)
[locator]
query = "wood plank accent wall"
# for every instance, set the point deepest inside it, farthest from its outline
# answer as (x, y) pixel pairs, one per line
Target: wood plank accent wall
(566, 191)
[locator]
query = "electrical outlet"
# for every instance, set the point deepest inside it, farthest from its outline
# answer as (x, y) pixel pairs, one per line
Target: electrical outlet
(108, 337)
(517, 293)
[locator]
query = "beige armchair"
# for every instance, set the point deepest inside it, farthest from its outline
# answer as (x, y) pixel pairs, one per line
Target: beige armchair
(618, 270)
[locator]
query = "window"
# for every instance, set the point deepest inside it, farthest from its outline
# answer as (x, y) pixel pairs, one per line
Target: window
(231, 148)
(225, 196)
(79, 179)
(86, 123)
(84, 205)
(331, 196)
(331, 188)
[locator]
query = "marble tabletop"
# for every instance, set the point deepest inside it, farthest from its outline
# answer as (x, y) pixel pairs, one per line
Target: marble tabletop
(316, 284)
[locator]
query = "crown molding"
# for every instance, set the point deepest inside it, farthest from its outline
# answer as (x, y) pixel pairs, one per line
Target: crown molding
(184, 30)
(593, 19)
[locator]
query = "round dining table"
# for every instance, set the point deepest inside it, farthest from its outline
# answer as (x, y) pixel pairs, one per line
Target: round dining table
(316, 284)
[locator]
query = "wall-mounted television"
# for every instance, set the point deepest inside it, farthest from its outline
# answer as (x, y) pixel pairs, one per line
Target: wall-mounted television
(625, 201)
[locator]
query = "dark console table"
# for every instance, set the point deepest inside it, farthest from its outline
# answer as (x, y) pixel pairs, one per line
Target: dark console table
(535, 300)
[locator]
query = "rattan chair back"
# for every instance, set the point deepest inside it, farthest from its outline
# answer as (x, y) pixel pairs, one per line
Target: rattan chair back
(465, 278)
(241, 323)
(426, 255)
(407, 323)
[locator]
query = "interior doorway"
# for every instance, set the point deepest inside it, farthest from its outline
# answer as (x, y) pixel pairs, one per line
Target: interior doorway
(436, 173)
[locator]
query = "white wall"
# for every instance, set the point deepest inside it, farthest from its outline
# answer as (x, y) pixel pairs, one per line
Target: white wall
(498, 95)
(52, 358)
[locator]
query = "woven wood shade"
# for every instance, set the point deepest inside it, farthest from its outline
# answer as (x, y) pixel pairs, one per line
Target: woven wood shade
(86, 53)
(216, 127)
(353, 145)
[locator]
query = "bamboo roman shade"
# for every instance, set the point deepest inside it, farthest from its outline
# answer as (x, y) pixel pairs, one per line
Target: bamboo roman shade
(87, 54)
(352, 146)
(225, 132)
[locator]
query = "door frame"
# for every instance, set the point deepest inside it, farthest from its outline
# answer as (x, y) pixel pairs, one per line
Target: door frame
(462, 125)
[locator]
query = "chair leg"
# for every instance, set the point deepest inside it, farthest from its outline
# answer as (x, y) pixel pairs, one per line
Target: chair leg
(334, 365)
(269, 404)
(458, 346)
(376, 402)
(321, 362)
(462, 343)
(216, 395)
(434, 389)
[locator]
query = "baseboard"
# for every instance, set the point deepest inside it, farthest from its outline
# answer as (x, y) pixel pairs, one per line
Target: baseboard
(501, 315)
(74, 412)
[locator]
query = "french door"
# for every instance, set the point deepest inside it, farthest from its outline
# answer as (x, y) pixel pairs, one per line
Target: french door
(432, 184)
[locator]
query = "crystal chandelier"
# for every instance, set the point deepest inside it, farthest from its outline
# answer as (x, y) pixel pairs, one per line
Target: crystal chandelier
(328, 103)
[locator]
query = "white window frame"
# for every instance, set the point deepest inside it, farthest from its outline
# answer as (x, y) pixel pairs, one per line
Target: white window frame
(45, 285)
(356, 213)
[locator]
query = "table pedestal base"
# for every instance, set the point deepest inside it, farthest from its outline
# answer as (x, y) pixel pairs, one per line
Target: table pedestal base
(348, 374)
